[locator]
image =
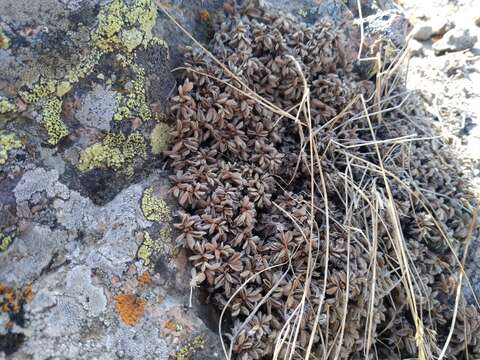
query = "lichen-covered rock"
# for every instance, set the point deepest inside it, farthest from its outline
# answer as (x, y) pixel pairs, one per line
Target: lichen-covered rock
(79, 257)
(83, 93)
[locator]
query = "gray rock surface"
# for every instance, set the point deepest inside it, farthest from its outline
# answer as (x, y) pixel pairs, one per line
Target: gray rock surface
(424, 30)
(97, 108)
(415, 48)
(389, 25)
(78, 266)
(79, 239)
(455, 40)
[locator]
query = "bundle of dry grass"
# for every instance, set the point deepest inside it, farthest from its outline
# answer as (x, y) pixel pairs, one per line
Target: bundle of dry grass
(319, 222)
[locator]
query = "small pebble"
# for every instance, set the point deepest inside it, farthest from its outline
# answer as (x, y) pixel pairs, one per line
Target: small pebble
(422, 31)
(425, 30)
(415, 48)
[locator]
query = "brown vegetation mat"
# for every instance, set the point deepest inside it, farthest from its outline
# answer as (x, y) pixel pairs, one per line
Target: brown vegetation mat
(322, 214)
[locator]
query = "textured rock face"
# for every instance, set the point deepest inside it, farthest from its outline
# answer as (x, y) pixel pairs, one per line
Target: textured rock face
(455, 40)
(86, 270)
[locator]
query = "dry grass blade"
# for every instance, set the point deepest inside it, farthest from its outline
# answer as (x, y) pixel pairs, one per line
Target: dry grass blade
(373, 266)
(401, 252)
(459, 285)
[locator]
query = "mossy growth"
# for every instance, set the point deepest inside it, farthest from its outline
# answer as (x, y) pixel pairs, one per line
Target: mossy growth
(155, 209)
(5, 241)
(124, 28)
(159, 138)
(8, 142)
(52, 121)
(116, 152)
(188, 350)
(160, 246)
(6, 106)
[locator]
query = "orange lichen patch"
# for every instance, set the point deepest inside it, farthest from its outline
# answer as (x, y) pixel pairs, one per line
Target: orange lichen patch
(27, 293)
(130, 307)
(5, 289)
(12, 301)
(145, 278)
(204, 15)
(170, 325)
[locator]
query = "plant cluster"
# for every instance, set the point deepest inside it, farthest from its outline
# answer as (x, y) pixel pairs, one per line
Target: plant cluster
(329, 232)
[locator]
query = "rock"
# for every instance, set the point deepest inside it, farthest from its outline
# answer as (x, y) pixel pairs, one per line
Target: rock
(422, 31)
(477, 20)
(73, 237)
(454, 40)
(390, 25)
(425, 30)
(97, 108)
(415, 48)
(440, 25)
(370, 7)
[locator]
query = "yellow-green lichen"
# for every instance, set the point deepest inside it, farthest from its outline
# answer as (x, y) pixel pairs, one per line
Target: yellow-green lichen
(188, 350)
(116, 152)
(101, 156)
(134, 146)
(123, 112)
(6, 106)
(155, 209)
(146, 250)
(124, 28)
(63, 87)
(160, 246)
(84, 68)
(5, 241)
(135, 102)
(42, 89)
(52, 121)
(48, 87)
(159, 138)
(8, 142)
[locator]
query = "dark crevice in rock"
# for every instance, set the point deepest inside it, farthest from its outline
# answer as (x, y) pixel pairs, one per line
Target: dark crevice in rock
(11, 342)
